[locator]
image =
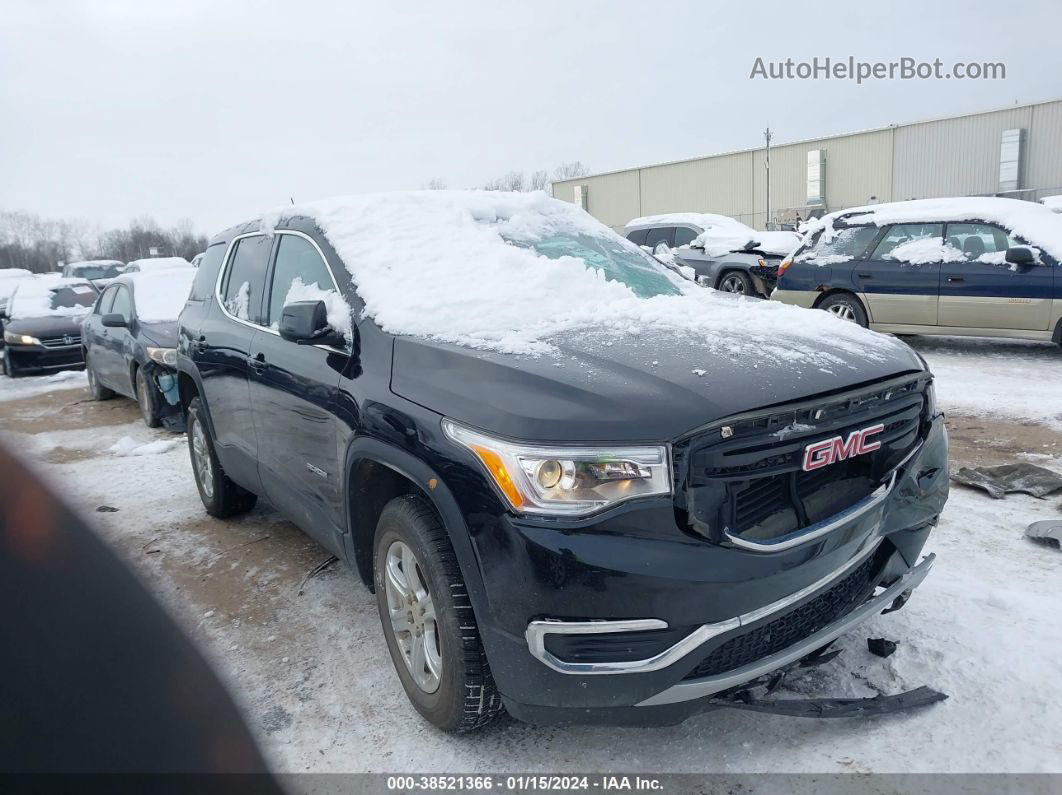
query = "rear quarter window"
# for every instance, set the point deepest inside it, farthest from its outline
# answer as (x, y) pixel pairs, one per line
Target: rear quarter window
(207, 275)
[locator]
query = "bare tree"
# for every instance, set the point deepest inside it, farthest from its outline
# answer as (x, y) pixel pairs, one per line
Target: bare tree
(435, 183)
(570, 170)
(539, 180)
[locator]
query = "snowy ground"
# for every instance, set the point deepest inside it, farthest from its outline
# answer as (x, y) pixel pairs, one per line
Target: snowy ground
(316, 682)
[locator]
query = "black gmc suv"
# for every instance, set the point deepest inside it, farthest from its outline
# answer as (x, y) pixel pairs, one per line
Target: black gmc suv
(588, 537)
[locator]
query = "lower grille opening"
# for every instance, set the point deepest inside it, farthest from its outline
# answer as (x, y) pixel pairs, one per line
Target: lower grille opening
(794, 626)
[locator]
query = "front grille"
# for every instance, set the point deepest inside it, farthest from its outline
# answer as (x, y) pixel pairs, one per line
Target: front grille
(61, 342)
(794, 626)
(751, 483)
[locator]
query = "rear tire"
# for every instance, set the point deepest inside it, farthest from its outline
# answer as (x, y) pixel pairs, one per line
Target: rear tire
(147, 398)
(96, 389)
(737, 282)
(221, 496)
(846, 307)
(428, 621)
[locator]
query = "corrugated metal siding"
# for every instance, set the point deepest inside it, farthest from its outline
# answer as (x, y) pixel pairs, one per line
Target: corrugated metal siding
(857, 167)
(1044, 162)
(952, 157)
(709, 185)
(613, 199)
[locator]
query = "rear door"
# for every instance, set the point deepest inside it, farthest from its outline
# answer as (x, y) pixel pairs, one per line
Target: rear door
(221, 351)
(900, 278)
(983, 290)
(293, 393)
(92, 329)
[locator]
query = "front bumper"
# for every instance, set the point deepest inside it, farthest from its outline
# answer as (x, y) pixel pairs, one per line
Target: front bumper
(38, 358)
(684, 601)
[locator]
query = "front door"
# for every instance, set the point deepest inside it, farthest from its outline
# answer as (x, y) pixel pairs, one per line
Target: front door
(983, 290)
(900, 279)
(108, 356)
(293, 393)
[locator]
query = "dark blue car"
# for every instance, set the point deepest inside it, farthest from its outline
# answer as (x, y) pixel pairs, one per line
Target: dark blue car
(969, 266)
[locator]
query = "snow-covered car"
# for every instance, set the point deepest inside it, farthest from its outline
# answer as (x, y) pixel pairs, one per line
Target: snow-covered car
(42, 324)
(580, 486)
(130, 340)
(723, 252)
(156, 264)
(94, 269)
(962, 266)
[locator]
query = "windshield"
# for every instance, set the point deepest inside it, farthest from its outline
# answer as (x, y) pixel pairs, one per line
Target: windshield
(616, 261)
(36, 300)
(99, 272)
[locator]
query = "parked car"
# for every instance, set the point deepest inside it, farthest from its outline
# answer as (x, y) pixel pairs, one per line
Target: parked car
(94, 270)
(157, 263)
(42, 324)
(725, 253)
(967, 266)
(580, 487)
(9, 279)
(130, 341)
(1052, 203)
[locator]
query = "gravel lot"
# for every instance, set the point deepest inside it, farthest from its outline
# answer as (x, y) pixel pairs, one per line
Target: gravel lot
(313, 675)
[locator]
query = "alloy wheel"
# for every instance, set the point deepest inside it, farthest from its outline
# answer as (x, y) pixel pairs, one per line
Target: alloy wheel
(843, 311)
(204, 467)
(412, 616)
(733, 284)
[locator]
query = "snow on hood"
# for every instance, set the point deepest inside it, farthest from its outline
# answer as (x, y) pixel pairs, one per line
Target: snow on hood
(1037, 224)
(160, 295)
(438, 264)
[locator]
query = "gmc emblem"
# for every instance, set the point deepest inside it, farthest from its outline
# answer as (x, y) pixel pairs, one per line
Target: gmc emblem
(830, 451)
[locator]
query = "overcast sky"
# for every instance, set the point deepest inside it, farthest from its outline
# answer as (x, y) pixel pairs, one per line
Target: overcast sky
(183, 109)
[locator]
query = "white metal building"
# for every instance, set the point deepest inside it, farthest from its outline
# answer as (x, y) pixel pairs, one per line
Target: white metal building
(1014, 151)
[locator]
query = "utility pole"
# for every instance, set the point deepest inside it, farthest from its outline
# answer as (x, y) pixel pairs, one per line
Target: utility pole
(767, 136)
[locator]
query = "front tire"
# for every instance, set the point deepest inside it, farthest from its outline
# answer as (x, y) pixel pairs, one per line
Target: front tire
(846, 307)
(147, 398)
(428, 621)
(9, 365)
(737, 282)
(221, 496)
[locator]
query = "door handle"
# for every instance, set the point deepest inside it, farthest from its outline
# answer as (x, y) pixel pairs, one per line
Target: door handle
(865, 275)
(956, 279)
(258, 363)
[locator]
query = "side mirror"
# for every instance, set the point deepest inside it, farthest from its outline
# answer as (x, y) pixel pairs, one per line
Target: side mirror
(1020, 255)
(306, 323)
(114, 320)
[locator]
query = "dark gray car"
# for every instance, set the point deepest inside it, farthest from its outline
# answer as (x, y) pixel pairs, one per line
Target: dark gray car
(724, 253)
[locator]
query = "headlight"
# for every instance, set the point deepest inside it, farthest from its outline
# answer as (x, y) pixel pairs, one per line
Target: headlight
(569, 481)
(20, 339)
(931, 400)
(167, 356)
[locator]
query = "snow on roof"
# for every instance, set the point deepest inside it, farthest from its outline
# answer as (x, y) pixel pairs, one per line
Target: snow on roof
(33, 297)
(92, 263)
(1033, 222)
(722, 234)
(438, 264)
(160, 294)
(159, 263)
(14, 273)
(722, 224)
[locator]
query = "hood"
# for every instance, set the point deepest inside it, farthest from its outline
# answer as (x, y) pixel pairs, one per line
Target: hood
(654, 388)
(51, 326)
(161, 334)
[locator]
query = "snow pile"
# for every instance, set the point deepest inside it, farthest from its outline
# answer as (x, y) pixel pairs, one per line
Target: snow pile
(1052, 203)
(127, 446)
(157, 263)
(339, 312)
(16, 389)
(440, 264)
(14, 273)
(160, 295)
(35, 297)
(240, 304)
(1035, 223)
(924, 251)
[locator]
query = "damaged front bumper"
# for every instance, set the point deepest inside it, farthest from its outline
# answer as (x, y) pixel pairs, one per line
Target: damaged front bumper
(169, 408)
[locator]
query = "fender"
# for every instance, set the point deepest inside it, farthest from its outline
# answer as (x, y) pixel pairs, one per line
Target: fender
(183, 368)
(441, 498)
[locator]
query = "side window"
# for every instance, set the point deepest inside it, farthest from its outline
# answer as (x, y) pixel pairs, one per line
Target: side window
(981, 242)
(122, 305)
(662, 234)
(207, 273)
(298, 275)
(896, 244)
(684, 236)
(638, 236)
(103, 303)
(842, 246)
(244, 281)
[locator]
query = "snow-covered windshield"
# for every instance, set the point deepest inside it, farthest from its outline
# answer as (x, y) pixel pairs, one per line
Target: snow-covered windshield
(93, 270)
(613, 259)
(51, 297)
